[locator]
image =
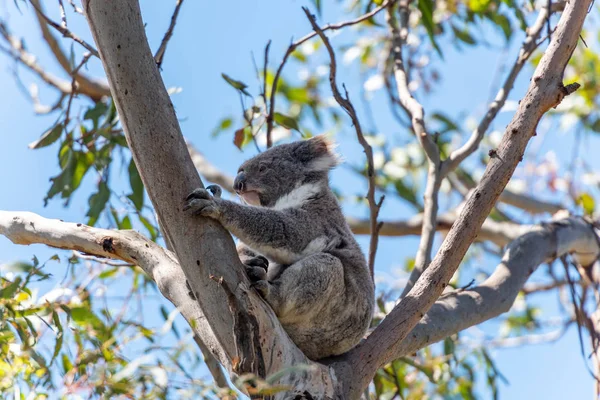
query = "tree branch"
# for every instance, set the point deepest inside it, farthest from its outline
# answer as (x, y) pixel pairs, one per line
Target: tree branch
(346, 104)
(529, 45)
(160, 53)
(63, 30)
(461, 309)
(159, 264)
(294, 45)
(91, 88)
(415, 110)
(545, 91)
(18, 53)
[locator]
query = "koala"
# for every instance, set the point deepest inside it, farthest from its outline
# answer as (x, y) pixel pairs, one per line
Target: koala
(298, 250)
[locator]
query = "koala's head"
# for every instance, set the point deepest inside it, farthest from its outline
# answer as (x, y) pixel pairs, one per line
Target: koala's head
(274, 173)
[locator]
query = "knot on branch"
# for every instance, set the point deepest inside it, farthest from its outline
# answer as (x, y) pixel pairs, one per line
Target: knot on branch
(565, 91)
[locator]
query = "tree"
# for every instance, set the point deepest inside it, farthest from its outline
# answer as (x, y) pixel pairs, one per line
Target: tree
(230, 322)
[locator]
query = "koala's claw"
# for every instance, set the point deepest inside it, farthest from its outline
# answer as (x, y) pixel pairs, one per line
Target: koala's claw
(200, 202)
(215, 190)
(199, 193)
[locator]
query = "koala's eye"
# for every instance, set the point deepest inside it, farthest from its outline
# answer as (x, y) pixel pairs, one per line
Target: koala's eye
(240, 170)
(262, 168)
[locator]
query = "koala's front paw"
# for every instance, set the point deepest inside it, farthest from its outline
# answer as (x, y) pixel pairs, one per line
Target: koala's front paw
(201, 202)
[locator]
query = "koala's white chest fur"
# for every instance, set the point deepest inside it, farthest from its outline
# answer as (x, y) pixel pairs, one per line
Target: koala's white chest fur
(297, 197)
(294, 199)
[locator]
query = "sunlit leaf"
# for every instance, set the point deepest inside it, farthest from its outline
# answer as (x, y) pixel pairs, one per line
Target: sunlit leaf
(241, 86)
(286, 121)
(49, 137)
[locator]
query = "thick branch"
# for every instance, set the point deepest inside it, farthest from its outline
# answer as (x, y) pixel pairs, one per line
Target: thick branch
(499, 233)
(461, 309)
(545, 91)
(159, 264)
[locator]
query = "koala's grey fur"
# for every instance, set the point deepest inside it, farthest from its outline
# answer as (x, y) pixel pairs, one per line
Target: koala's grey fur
(317, 280)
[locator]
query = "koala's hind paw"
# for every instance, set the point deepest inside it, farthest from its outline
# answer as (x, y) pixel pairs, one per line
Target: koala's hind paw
(258, 261)
(256, 274)
(262, 287)
(200, 202)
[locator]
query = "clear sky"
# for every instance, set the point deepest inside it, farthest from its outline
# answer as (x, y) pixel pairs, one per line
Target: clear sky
(212, 37)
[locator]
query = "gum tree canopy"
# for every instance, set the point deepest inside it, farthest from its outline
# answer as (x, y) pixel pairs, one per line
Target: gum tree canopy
(464, 181)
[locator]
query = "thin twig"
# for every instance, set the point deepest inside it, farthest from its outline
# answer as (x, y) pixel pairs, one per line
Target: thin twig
(63, 15)
(346, 104)
(78, 10)
(415, 110)
(65, 32)
(85, 59)
(264, 91)
(18, 53)
(294, 45)
(160, 53)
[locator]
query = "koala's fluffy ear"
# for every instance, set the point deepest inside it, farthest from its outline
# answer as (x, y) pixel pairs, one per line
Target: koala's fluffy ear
(319, 153)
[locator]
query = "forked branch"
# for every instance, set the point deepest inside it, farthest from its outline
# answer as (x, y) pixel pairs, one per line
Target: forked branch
(545, 91)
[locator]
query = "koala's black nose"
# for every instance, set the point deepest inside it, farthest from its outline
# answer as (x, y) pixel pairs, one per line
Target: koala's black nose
(240, 182)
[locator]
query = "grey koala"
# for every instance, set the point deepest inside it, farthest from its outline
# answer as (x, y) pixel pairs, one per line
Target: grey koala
(298, 249)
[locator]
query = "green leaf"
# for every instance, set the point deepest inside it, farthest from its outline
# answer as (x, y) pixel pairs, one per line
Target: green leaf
(318, 6)
(85, 317)
(426, 8)
(463, 35)
(63, 181)
(83, 163)
(67, 365)
(406, 193)
(11, 289)
(448, 124)
(49, 137)
(97, 202)
(149, 227)
(586, 201)
(238, 85)
(93, 114)
(137, 187)
(224, 124)
(503, 23)
(479, 6)
(286, 121)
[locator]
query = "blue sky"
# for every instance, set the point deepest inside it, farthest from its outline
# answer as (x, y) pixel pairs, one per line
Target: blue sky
(216, 37)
